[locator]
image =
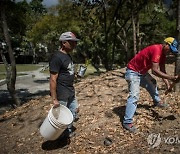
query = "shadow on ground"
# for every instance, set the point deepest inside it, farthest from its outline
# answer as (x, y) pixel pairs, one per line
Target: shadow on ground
(61, 142)
(120, 112)
(23, 94)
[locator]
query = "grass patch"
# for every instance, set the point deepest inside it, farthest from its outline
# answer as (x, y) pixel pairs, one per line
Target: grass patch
(27, 67)
(21, 67)
(2, 76)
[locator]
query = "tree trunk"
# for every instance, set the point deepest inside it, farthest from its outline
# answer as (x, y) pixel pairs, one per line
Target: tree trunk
(105, 59)
(134, 30)
(134, 35)
(138, 34)
(11, 69)
(177, 64)
(114, 44)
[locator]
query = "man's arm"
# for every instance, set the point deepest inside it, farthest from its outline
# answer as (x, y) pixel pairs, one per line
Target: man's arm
(53, 85)
(161, 73)
(163, 69)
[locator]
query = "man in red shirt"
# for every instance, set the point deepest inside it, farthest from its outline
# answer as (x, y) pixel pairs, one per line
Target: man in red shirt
(152, 57)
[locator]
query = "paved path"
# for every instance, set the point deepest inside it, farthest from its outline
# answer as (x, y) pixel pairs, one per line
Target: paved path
(27, 86)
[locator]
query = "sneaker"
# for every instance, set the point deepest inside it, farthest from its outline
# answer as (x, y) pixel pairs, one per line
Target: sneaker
(161, 105)
(130, 127)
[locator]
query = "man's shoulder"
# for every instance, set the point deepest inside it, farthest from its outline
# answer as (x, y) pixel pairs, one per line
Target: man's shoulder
(55, 57)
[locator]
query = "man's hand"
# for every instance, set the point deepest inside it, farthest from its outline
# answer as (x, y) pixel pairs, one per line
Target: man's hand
(175, 80)
(55, 103)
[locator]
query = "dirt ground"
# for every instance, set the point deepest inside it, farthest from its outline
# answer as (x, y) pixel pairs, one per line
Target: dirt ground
(102, 101)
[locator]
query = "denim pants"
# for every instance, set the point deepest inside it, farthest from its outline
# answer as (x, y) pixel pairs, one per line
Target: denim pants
(72, 105)
(135, 80)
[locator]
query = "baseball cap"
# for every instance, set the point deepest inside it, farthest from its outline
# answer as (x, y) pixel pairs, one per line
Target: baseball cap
(172, 43)
(68, 36)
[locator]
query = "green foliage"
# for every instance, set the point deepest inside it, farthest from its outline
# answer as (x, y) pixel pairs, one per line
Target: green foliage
(155, 25)
(104, 27)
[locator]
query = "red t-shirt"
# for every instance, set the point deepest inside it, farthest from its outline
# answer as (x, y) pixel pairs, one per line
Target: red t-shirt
(142, 61)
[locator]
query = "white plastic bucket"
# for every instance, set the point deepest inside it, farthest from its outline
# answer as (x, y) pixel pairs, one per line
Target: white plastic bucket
(56, 122)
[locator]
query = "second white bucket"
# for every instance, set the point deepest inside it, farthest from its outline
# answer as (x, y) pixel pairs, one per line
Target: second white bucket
(56, 122)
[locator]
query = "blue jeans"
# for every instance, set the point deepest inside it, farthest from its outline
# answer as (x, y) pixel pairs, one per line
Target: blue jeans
(135, 80)
(72, 105)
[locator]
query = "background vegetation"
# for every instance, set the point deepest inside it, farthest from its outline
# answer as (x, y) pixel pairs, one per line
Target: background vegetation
(111, 32)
